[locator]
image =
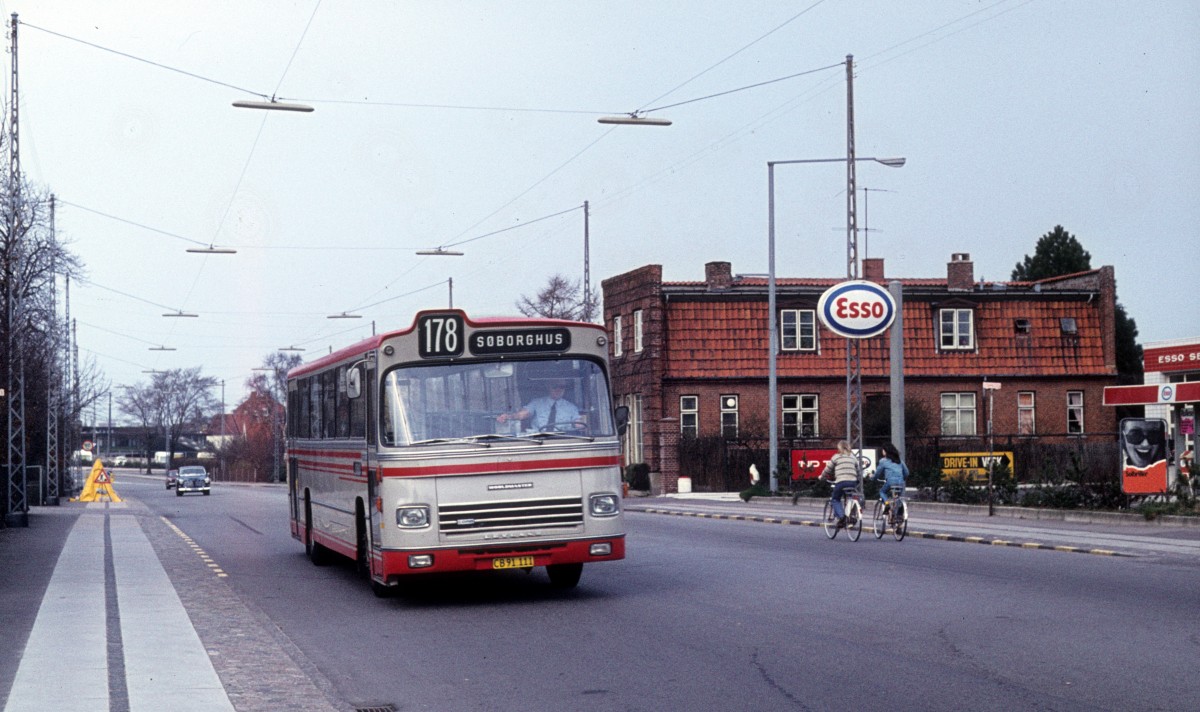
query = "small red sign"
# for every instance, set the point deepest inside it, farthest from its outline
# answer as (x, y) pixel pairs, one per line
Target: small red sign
(807, 464)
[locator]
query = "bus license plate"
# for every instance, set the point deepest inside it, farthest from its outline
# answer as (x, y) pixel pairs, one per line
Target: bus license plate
(513, 562)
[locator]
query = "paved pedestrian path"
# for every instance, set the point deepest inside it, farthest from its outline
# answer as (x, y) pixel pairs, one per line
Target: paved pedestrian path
(111, 629)
(113, 634)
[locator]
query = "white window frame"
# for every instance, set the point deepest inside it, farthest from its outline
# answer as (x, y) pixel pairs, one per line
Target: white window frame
(729, 416)
(963, 409)
(801, 410)
(798, 329)
(633, 433)
(1075, 413)
(637, 331)
(689, 416)
(617, 336)
(956, 329)
(1026, 413)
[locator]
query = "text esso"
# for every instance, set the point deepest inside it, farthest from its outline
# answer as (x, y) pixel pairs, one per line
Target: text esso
(856, 309)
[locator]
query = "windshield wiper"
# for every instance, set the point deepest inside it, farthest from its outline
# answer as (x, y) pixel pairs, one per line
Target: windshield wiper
(456, 441)
(507, 438)
(558, 434)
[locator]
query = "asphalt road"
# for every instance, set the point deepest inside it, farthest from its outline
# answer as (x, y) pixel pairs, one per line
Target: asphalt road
(710, 614)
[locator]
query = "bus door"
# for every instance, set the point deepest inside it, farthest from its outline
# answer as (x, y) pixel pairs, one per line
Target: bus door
(373, 513)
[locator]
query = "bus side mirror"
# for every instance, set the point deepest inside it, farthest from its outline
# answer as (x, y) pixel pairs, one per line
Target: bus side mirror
(354, 383)
(622, 416)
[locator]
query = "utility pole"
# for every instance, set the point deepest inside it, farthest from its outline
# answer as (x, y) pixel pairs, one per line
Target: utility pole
(18, 500)
(854, 434)
(53, 379)
(587, 269)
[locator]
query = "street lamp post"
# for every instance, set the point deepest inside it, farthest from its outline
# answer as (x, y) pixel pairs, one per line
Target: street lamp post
(773, 340)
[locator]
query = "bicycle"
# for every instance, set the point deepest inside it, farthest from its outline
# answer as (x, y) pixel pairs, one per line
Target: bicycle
(852, 505)
(895, 518)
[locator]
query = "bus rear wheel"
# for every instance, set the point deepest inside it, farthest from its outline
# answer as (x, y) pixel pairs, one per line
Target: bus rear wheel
(564, 575)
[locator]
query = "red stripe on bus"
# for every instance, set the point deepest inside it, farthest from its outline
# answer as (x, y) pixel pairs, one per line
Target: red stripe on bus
(492, 467)
(353, 455)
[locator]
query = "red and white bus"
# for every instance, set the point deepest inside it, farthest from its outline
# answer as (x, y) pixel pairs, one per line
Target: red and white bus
(423, 450)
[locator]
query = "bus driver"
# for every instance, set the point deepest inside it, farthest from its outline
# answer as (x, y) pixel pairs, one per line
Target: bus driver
(550, 412)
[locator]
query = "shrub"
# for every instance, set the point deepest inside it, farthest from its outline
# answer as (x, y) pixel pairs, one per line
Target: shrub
(638, 476)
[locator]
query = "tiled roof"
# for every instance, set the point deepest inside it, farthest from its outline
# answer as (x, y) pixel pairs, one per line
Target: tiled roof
(728, 339)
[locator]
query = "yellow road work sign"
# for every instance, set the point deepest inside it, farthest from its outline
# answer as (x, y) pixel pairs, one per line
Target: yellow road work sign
(98, 487)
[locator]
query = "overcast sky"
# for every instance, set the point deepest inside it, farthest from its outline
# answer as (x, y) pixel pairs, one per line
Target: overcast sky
(445, 122)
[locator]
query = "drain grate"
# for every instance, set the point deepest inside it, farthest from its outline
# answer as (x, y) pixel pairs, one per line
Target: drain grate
(376, 708)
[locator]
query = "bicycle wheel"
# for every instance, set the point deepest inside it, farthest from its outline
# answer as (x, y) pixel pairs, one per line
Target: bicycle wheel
(900, 525)
(879, 521)
(854, 520)
(828, 521)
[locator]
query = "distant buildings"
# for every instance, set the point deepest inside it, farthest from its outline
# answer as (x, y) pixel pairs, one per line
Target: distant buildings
(690, 358)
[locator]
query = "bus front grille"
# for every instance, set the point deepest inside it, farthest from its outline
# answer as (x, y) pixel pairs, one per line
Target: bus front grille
(517, 515)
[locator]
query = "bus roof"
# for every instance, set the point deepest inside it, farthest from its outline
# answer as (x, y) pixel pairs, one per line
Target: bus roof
(372, 343)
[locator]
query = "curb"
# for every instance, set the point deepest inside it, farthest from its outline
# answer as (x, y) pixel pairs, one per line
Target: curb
(920, 535)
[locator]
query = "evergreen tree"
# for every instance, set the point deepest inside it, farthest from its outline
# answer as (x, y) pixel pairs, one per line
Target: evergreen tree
(1058, 253)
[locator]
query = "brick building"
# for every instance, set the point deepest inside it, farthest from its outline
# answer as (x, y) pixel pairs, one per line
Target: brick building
(690, 358)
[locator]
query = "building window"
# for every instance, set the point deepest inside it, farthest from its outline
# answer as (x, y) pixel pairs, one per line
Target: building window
(958, 414)
(633, 434)
(800, 416)
(1075, 412)
(1026, 413)
(729, 416)
(637, 331)
(957, 329)
(1022, 326)
(689, 416)
(798, 329)
(617, 336)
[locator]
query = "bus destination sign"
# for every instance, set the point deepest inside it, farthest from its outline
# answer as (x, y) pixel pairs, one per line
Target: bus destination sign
(520, 341)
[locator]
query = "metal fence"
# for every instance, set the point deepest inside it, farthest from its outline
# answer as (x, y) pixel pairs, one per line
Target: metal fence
(722, 465)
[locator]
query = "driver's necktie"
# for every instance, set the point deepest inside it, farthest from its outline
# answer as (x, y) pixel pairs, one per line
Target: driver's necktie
(550, 419)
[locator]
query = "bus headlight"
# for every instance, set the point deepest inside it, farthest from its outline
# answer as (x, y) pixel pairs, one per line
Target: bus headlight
(412, 517)
(604, 505)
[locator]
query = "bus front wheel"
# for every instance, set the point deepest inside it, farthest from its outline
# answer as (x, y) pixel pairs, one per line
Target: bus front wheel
(564, 575)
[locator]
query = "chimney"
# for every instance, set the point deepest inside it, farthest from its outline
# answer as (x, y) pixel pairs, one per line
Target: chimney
(873, 269)
(718, 275)
(960, 273)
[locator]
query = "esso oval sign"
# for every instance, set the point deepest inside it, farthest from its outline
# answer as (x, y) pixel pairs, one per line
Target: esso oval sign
(856, 309)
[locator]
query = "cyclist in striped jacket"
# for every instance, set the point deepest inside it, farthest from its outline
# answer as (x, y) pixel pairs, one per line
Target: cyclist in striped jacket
(844, 471)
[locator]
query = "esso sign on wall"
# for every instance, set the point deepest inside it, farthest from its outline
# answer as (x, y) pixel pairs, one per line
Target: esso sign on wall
(856, 309)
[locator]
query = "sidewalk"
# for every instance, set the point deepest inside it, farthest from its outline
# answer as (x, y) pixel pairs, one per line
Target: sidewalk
(1101, 533)
(114, 631)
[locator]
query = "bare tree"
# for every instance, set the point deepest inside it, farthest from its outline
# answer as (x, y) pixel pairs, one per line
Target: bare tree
(559, 299)
(140, 404)
(173, 401)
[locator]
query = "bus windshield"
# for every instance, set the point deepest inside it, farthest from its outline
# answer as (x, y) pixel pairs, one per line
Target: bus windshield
(491, 400)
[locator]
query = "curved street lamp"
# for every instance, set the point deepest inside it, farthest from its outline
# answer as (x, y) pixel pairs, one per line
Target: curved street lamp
(772, 326)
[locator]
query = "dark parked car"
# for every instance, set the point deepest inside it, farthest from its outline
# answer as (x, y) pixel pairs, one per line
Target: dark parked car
(172, 478)
(193, 478)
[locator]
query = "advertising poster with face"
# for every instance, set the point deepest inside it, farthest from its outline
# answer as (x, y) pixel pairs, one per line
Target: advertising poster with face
(1144, 455)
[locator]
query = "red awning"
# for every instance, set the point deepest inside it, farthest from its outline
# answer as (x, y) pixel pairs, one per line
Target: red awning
(1153, 394)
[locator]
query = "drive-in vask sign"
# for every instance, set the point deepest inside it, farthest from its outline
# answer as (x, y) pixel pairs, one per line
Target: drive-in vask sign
(856, 309)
